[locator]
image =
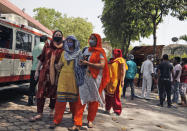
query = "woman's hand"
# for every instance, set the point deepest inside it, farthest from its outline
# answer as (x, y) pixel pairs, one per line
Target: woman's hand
(99, 65)
(84, 62)
(58, 66)
(122, 83)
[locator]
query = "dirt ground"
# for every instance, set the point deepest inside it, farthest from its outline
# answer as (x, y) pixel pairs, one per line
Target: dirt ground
(137, 115)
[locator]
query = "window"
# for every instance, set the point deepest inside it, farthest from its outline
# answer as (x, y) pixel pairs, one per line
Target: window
(23, 41)
(37, 40)
(6, 35)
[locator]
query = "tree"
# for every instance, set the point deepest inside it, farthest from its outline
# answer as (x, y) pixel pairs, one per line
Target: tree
(154, 10)
(78, 27)
(184, 37)
(53, 20)
(126, 20)
(48, 17)
(123, 24)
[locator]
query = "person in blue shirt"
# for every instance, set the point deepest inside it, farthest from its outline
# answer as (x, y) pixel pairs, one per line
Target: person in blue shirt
(35, 53)
(130, 75)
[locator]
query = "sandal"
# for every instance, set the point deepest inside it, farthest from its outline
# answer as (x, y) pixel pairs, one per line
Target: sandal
(35, 118)
(74, 128)
(90, 125)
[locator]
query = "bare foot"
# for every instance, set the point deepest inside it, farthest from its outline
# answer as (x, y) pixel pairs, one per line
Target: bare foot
(35, 118)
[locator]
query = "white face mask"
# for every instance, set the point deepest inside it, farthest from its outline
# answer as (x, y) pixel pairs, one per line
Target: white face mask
(152, 59)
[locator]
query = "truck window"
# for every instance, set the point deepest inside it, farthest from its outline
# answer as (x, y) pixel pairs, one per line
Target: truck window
(36, 40)
(6, 35)
(23, 41)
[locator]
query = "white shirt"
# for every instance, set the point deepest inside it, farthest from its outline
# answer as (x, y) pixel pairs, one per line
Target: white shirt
(178, 67)
(147, 68)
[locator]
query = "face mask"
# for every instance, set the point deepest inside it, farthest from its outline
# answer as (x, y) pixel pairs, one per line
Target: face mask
(152, 59)
(70, 44)
(92, 43)
(57, 39)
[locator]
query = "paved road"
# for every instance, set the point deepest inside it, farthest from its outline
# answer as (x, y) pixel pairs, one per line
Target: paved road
(137, 115)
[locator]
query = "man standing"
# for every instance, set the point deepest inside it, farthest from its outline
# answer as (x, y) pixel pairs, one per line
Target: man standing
(130, 74)
(164, 72)
(176, 79)
(36, 52)
(147, 71)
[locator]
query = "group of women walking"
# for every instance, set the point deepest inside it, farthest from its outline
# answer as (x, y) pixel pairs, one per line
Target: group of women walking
(79, 77)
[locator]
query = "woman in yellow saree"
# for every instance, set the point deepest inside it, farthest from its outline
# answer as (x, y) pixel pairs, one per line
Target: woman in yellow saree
(117, 68)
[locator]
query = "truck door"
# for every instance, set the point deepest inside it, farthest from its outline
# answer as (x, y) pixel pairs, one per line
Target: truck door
(6, 53)
(23, 63)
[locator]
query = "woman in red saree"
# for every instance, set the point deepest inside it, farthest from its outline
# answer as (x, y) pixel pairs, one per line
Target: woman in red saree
(95, 80)
(117, 68)
(46, 89)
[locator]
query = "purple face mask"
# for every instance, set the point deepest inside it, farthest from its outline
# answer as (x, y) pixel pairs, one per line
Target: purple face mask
(70, 44)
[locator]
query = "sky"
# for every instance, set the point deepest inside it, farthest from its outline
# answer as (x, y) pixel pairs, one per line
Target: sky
(91, 9)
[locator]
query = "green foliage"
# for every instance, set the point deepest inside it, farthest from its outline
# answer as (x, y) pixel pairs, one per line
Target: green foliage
(184, 37)
(123, 23)
(179, 9)
(53, 20)
(171, 56)
(48, 17)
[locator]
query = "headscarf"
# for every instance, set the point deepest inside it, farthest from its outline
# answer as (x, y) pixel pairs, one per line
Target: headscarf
(71, 55)
(75, 55)
(52, 42)
(116, 54)
(95, 58)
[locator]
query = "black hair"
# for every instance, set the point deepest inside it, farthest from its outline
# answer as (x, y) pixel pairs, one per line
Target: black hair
(178, 59)
(57, 31)
(165, 57)
(43, 38)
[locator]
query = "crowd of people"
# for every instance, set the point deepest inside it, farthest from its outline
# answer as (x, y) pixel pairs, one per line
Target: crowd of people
(170, 78)
(66, 74)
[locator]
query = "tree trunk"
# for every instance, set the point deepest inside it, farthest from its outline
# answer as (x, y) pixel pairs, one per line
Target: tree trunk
(154, 38)
(123, 44)
(127, 47)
